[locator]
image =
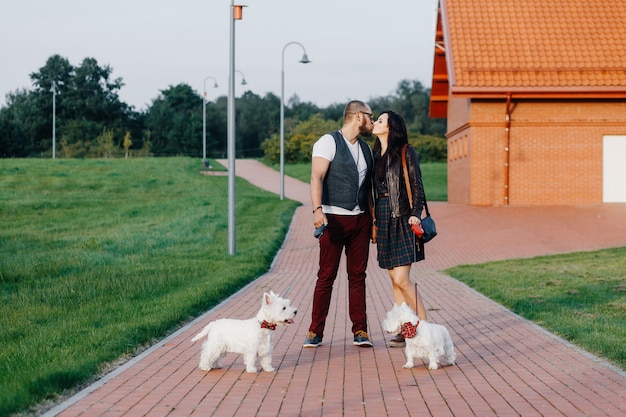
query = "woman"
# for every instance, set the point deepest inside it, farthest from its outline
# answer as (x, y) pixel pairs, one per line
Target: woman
(395, 240)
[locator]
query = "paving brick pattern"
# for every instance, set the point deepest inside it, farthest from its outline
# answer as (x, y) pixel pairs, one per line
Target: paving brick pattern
(506, 366)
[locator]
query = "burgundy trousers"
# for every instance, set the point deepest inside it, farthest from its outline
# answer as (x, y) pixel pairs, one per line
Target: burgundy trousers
(353, 234)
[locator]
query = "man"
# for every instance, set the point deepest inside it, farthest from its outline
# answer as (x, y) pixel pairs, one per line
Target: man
(341, 193)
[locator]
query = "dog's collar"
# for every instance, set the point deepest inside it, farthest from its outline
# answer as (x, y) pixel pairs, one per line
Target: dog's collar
(408, 330)
(266, 325)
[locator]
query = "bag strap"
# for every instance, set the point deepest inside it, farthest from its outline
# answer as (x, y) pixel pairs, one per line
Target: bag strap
(406, 177)
(406, 182)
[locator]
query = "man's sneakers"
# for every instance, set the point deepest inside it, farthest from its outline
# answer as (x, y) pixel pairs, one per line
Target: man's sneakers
(362, 339)
(312, 341)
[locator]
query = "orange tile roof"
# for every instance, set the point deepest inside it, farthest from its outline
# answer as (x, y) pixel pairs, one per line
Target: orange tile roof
(531, 47)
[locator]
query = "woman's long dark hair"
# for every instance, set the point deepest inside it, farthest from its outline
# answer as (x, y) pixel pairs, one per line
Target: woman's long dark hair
(398, 136)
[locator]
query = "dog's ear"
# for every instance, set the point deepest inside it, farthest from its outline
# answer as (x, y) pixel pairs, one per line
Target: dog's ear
(267, 298)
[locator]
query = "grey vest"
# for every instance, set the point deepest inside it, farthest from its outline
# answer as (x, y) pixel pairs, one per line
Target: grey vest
(341, 184)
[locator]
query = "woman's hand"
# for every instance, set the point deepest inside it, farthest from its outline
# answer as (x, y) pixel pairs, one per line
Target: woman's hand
(416, 226)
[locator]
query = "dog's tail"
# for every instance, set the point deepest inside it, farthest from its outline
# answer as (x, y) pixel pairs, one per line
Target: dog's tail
(203, 333)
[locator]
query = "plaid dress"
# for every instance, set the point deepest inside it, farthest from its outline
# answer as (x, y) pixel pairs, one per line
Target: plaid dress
(396, 243)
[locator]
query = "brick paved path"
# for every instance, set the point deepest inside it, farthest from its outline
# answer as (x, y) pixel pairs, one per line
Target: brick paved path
(507, 366)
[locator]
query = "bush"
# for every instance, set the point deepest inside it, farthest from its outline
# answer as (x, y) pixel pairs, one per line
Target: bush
(299, 140)
(430, 148)
(299, 143)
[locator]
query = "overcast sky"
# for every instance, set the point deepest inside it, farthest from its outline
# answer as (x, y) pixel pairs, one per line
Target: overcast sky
(359, 49)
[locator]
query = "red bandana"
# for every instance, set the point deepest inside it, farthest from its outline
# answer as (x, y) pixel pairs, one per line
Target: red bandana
(266, 325)
(408, 330)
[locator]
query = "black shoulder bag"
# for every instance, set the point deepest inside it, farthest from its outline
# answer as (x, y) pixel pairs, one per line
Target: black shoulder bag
(428, 224)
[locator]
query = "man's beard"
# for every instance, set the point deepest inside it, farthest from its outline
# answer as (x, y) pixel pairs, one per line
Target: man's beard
(364, 131)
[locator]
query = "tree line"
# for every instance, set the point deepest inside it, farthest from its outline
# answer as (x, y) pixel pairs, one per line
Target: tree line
(92, 121)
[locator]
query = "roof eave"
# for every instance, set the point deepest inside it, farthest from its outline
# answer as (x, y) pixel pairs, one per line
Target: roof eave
(541, 92)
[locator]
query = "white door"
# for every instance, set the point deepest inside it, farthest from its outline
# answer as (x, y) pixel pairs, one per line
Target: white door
(614, 169)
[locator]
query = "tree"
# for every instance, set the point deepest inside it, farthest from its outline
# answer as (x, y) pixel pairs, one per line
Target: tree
(256, 119)
(127, 144)
(19, 124)
(87, 104)
(175, 122)
(299, 140)
(93, 95)
(90, 116)
(105, 146)
(412, 101)
(299, 110)
(216, 135)
(334, 111)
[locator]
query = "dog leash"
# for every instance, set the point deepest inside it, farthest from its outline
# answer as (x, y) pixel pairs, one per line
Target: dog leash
(289, 289)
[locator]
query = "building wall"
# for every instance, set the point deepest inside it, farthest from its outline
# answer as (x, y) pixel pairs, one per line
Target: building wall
(555, 155)
(459, 190)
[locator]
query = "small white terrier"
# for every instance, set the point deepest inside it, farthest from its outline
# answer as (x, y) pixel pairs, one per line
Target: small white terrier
(423, 339)
(251, 338)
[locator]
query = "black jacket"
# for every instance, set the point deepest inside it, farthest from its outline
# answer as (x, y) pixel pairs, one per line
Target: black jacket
(398, 198)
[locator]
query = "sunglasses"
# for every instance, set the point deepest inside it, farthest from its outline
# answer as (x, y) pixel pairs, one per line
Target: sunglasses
(370, 115)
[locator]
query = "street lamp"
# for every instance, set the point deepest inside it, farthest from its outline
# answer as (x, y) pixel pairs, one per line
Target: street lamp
(204, 161)
(236, 13)
(54, 118)
(304, 60)
(243, 78)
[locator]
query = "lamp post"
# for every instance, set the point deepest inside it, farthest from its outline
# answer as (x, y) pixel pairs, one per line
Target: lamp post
(54, 118)
(236, 13)
(243, 78)
(304, 60)
(204, 161)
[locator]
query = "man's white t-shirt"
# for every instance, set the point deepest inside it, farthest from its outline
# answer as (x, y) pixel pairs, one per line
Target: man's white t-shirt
(325, 148)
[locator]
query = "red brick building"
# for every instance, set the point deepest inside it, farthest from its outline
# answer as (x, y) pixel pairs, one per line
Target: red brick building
(535, 96)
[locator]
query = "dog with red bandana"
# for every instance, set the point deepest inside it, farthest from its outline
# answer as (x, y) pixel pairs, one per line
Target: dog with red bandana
(423, 340)
(251, 338)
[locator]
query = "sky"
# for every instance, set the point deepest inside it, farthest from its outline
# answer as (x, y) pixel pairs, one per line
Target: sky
(358, 49)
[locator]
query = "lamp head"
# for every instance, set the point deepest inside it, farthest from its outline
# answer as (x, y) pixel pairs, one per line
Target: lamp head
(305, 59)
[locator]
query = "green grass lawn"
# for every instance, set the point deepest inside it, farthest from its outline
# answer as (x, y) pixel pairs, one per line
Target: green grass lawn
(579, 296)
(101, 257)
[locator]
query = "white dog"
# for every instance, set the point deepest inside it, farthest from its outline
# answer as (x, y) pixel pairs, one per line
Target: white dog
(251, 338)
(423, 340)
